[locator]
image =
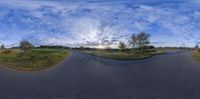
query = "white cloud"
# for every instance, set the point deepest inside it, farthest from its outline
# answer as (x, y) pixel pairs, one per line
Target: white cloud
(28, 4)
(85, 29)
(99, 24)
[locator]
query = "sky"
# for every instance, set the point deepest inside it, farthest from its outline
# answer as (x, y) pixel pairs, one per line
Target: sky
(99, 23)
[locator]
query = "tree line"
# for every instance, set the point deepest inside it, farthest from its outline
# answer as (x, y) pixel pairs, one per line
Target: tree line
(139, 42)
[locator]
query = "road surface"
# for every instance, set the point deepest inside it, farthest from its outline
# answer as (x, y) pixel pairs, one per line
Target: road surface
(170, 76)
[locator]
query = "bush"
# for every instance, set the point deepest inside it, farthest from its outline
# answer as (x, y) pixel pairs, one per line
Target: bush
(6, 51)
(20, 54)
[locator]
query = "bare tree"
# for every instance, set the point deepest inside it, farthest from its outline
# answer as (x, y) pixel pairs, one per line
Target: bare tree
(134, 41)
(122, 46)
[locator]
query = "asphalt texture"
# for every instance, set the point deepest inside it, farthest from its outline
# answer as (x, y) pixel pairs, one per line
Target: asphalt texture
(174, 75)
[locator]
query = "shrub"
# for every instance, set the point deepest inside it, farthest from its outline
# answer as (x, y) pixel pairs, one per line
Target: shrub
(6, 51)
(20, 54)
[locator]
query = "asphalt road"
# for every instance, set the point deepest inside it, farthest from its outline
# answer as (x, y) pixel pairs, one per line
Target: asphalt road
(171, 76)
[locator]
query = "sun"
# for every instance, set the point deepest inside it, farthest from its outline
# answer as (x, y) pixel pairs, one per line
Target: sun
(101, 46)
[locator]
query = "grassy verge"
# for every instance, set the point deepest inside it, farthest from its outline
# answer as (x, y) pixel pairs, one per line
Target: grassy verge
(37, 59)
(122, 55)
(196, 55)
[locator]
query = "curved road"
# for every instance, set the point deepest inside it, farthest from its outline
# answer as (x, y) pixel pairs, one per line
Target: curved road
(171, 76)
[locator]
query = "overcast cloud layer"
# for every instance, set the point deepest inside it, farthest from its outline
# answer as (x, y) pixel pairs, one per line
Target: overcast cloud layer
(99, 23)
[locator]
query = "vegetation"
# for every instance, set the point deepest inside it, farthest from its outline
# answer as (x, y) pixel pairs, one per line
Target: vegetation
(82, 48)
(6, 51)
(122, 46)
(196, 55)
(28, 58)
(36, 59)
(25, 46)
(140, 41)
(2, 46)
(197, 48)
(139, 49)
(52, 46)
(118, 55)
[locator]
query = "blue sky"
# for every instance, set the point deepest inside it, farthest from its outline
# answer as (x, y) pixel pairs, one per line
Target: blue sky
(96, 23)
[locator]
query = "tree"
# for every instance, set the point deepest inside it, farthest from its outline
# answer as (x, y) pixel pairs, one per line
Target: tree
(122, 46)
(25, 46)
(2, 46)
(134, 41)
(151, 47)
(81, 48)
(197, 47)
(140, 40)
(143, 40)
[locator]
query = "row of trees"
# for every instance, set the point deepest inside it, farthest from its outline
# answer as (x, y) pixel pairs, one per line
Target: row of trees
(138, 42)
(25, 46)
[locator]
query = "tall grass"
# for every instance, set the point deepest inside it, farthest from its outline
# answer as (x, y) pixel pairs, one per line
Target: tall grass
(34, 60)
(196, 55)
(121, 55)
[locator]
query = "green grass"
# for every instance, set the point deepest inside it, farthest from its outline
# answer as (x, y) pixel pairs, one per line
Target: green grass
(37, 59)
(122, 55)
(196, 55)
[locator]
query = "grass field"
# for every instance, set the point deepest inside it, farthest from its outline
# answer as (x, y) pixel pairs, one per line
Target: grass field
(196, 55)
(122, 55)
(37, 59)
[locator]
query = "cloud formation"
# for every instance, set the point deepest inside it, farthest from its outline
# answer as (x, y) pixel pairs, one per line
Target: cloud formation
(99, 23)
